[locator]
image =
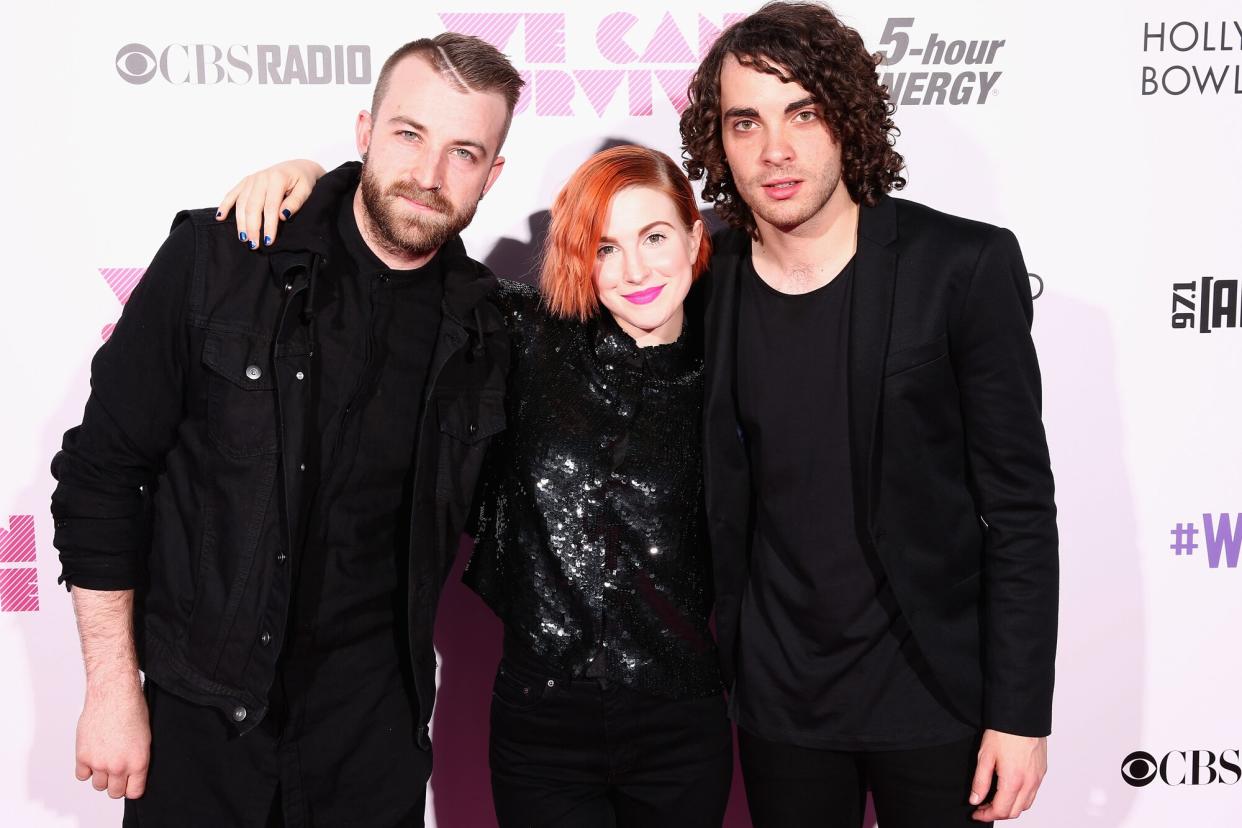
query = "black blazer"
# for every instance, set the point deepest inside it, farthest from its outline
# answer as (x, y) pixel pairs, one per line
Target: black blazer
(952, 486)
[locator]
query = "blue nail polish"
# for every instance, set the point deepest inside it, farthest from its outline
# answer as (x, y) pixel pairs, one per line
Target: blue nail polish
(267, 239)
(218, 214)
(241, 236)
(285, 213)
(253, 245)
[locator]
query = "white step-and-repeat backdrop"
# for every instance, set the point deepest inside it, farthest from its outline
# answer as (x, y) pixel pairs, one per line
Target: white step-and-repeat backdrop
(1107, 135)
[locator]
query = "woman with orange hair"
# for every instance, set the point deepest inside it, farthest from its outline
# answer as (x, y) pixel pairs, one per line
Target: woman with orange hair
(591, 545)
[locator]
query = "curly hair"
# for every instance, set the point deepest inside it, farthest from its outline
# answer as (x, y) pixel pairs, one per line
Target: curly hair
(803, 43)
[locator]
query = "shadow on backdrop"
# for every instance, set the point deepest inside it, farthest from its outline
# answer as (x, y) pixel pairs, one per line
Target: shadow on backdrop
(1101, 653)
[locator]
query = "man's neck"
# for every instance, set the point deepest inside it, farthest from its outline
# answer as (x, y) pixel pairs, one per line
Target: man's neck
(396, 261)
(809, 256)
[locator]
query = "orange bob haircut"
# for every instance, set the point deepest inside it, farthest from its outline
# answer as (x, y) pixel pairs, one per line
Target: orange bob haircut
(567, 278)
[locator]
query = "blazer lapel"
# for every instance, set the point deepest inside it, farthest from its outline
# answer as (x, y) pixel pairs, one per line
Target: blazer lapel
(725, 466)
(871, 311)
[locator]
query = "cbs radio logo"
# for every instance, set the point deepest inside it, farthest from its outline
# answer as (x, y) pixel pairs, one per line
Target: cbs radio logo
(1182, 767)
(206, 64)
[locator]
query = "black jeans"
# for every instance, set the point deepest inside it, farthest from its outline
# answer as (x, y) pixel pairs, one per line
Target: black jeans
(792, 787)
(310, 762)
(583, 753)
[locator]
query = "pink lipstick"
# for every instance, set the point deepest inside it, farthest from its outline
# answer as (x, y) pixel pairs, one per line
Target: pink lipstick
(643, 297)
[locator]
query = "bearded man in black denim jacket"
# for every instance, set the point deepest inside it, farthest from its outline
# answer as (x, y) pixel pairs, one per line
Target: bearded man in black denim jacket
(275, 463)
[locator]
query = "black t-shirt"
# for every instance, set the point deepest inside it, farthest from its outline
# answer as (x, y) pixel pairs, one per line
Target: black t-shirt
(345, 668)
(375, 329)
(825, 658)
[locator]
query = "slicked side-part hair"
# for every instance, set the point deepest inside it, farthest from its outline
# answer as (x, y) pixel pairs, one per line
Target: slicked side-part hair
(807, 44)
(567, 277)
(466, 62)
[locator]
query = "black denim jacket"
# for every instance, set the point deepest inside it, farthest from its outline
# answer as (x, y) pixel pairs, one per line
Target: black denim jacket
(183, 481)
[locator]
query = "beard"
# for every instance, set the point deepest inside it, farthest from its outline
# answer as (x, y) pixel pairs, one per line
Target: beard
(817, 190)
(416, 235)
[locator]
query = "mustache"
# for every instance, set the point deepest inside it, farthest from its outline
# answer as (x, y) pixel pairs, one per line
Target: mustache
(428, 198)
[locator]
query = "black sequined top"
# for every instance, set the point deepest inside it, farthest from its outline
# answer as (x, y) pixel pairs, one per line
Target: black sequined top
(591, 542)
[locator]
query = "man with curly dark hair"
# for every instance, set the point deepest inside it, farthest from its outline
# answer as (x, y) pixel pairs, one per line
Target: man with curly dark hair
(879, 490)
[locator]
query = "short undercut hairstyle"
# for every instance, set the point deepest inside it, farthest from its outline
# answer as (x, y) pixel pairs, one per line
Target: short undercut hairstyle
(807, 44)
(567, 276)
(467, 63)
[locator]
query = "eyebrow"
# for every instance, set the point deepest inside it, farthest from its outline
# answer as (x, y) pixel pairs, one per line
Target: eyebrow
(640, 232)
(462, 142)
(751, 112)
(801, 103)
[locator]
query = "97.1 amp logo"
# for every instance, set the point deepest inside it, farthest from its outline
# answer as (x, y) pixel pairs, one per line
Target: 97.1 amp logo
(1206, 305)
(19, 585)
(951, 86)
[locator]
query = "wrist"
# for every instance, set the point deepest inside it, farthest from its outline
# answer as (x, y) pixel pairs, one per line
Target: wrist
(107, 680)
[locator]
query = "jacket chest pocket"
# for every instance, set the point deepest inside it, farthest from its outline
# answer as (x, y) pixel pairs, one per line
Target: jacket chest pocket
(471, 420)
(241, 394)
(907, 359)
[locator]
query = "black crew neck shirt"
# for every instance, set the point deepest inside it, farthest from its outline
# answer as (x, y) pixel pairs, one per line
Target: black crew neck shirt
(344, 701)
(825, 658)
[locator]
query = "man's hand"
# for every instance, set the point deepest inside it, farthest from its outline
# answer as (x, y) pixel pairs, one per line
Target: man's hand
(1019, 763)
(114, 738)
(114, 733)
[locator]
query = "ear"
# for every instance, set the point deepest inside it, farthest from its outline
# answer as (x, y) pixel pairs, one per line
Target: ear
(696, 239)
(493, 174)
(362, 132)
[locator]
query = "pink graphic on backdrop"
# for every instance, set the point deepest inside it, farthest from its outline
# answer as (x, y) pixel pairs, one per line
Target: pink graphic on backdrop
(19, 586)
(610, 34)
(640, 93)
(122, 280)
(495, 29)
(556, 92)
(676, 83)
(709, 32)
(17, 543)
(545, 32)
(667, 44)
(599, 86)
(545, 38)
(552, 81)
(19, 590)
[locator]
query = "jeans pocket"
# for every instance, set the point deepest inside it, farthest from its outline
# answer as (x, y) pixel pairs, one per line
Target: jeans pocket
(520, 689)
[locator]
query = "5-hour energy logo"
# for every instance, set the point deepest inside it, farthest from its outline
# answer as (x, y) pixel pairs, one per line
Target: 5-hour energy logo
(943, 82)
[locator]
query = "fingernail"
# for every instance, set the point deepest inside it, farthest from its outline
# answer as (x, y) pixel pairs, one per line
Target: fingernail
(285, 213)
(974, 799)
(254, 245)
(242, 235)
(218, 214)
(267, 239)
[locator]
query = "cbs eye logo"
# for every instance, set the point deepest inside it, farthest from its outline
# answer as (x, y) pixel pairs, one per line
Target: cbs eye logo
(1037, 285)
(136, 63)
(1139, 768)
